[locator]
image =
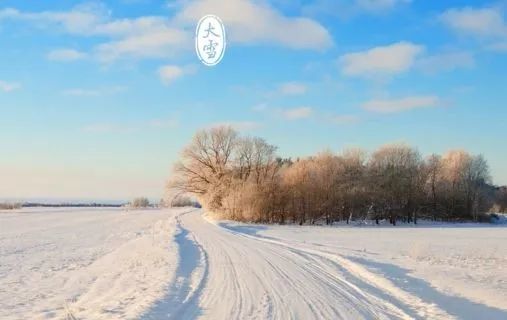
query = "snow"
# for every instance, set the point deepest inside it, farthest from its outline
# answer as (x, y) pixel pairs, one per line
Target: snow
(178, 264)
(89, 263)
(460, 268)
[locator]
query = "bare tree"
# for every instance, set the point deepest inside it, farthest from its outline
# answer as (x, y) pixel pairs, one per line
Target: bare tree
(352, 182)
(243, 179)
(433, 182)
(297, 181)
(394, 170)
(327, 169)
(475, 178)
(205, 166)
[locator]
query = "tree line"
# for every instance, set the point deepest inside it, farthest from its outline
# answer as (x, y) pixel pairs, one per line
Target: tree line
(242, 178)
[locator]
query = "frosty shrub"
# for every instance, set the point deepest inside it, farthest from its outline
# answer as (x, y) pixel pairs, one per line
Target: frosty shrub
(182, 201)
(10, 206)
(140, 202)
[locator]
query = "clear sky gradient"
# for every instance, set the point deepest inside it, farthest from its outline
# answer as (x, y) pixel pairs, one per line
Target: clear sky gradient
(97, 98)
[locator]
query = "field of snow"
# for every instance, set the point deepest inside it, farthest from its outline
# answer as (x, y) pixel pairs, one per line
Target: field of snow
(178, 264)
(89, 263)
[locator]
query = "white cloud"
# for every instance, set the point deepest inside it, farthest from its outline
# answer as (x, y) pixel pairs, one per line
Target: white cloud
(141, 37)
(82, 19)
(403, 104)
(304, 112)
(292, 88)
(446, 61)
(297, 113)
(157, 43)
(90, 19)
(66, 55)
(349, 8)
(484, 22)
(159, 37)
(132, 26)
(387, 60)
(379, 5)
(257, 22)
(169, 73)
(6, 86)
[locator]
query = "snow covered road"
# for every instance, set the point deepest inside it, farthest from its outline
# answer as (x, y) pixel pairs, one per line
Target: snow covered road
(249, 278)
(240, 274)
(177, 264)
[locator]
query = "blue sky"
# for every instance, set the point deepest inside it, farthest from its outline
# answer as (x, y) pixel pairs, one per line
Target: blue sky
(97, 98)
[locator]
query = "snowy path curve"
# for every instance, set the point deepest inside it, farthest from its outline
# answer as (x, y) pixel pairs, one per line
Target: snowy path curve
(98, 263)
(240, 276)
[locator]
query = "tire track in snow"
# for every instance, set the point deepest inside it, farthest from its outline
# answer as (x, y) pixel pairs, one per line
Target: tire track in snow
(361, 275)
(181, 302)
(254, 278)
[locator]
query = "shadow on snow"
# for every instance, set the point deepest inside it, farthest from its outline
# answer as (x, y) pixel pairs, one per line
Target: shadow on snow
(181, 302)
(460, 307)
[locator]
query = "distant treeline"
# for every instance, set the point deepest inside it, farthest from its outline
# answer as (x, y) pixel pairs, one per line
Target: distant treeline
(242, 178)
(71, 205)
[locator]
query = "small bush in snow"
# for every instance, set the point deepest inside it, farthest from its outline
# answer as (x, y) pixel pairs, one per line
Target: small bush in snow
(10, 206)
(139, 203)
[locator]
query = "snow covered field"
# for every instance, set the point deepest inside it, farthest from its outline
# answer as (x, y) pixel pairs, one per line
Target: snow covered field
(177, 264)
(92, 263)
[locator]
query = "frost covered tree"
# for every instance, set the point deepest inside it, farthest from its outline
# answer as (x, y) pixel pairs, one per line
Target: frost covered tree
(394, 171)
(206, 165)
(464, 179)
(299, 179)
(242, 178)
(433, 185)
(353, 184)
